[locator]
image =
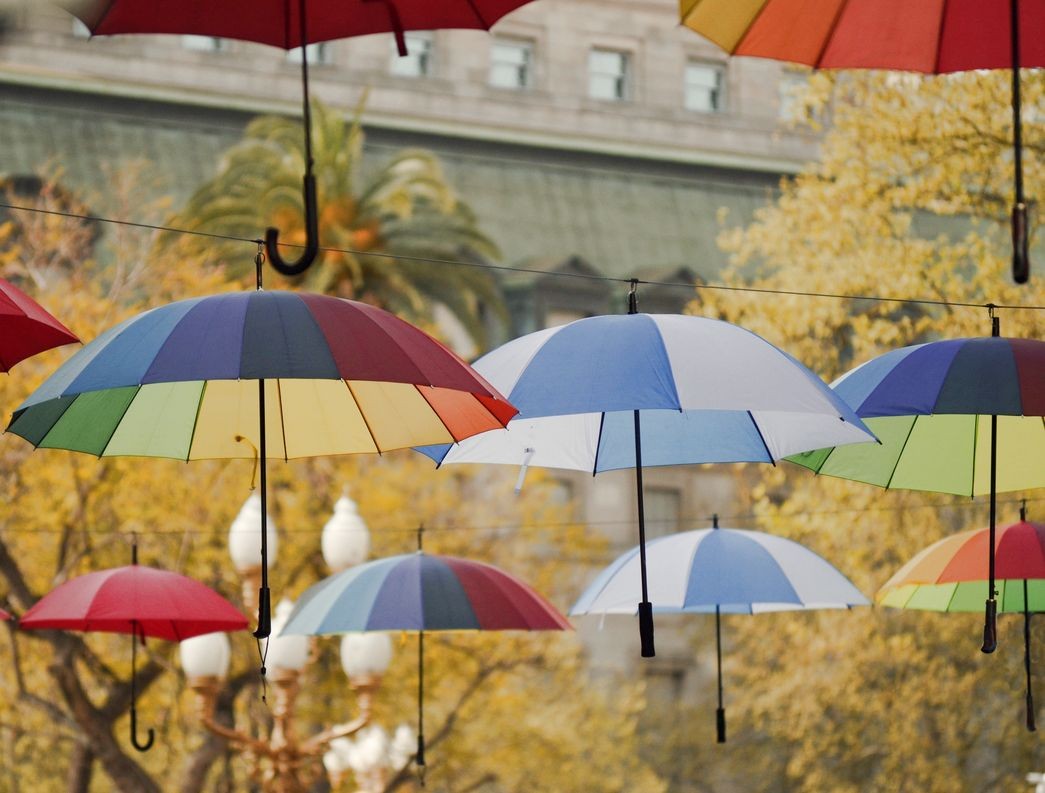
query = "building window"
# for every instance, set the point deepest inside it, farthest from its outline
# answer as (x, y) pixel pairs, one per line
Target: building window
(420, 48)
(203, 43)
(511, 64)
(790, 88)
(705, 87)
(318, 54)
(608, 75)
(663, 508)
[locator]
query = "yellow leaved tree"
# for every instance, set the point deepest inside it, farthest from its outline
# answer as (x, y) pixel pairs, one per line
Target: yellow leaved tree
(504, 712)
(908, 201)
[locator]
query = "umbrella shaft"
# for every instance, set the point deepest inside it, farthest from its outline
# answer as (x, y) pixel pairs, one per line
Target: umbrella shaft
(1017, 132)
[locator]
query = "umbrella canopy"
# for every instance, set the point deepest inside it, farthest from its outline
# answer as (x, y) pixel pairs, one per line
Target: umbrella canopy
(191, 380)
(622, 391)
(135, 599)
(181, 381)
(952, 575)
(277, 22)
(929, 37)
(721, 571)
(421, 592)
(140, 601)
(959, 416)
(27, 328)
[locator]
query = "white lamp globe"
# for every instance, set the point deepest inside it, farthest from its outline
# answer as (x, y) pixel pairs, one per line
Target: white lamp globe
(205, 656)
(285, 652)
(345, 541)
(366, 655)
(245, 537)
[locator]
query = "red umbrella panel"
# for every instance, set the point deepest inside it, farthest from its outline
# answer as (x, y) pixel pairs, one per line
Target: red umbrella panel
(27, 329)
(289, 24)
(140, 601)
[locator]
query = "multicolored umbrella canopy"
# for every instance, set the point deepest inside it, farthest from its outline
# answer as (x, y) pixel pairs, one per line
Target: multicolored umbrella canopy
(181, 381)
(27, 328)
(624, 391)
(140, 601)
(951, 575)
(962, 416)
(928, 37)
(422, 592)
(259, 374)
(721, 571)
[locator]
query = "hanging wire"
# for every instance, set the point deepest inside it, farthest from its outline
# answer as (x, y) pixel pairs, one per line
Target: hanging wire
(535, 271)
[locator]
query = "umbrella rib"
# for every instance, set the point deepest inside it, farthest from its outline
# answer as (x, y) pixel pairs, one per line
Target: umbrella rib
(282, 421)
(830, 33)
(362, 415)
(975, 444)
(598, 443)
(910, 431)
(765, 446)
(439, 416)
(196, 420)
(939, 37)
(116, 424)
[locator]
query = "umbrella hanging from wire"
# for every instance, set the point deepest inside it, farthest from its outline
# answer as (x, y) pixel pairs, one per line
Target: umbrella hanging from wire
(422, 592)
(933, 38)
(721, 571)
(960, 416)
(951, 575)
(140, 601)
(614, 392)
(259, 375)
(289, 24)
(27, 328)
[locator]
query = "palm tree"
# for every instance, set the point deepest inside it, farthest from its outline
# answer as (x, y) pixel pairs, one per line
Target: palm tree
(378, 234)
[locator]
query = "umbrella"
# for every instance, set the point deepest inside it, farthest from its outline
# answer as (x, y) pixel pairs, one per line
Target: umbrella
(960, 416)
(933, 38)
(721, 571)
(286, 24)
(614, 392)
(951, 575)
(137, 600)
(191, 380)
(27, 328)
(422, 592)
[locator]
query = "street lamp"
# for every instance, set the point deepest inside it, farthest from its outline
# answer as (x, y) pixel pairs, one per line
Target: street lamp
(281, 762)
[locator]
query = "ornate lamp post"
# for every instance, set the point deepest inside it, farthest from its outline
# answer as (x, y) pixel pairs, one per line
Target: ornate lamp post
(282, 763)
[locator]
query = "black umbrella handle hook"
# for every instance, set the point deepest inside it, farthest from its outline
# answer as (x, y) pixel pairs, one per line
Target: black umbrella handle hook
(136, 635)
(311, 238)
(309, 182)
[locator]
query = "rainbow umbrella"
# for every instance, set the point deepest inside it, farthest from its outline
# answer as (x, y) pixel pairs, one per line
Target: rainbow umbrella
(927, 37)
(961, 416)
(951, 575)
(422, 592)
(259, 375)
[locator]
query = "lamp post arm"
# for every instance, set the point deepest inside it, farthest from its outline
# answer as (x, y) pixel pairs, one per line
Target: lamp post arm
(235, 736)
(317, 743)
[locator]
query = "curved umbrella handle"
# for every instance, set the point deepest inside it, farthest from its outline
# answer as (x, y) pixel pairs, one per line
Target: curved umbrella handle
(141, 747)
(311, 239)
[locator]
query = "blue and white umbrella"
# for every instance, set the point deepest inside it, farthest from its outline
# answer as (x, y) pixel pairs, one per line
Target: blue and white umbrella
(721, 571)
(624, 391)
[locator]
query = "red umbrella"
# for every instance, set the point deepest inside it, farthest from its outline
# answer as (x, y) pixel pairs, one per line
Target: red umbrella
(5, 615)
(930, 37)
(138, 600)
(289, 24)
(27, 329)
